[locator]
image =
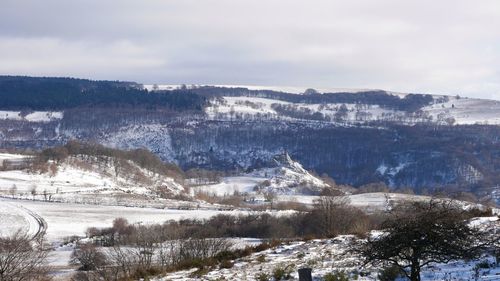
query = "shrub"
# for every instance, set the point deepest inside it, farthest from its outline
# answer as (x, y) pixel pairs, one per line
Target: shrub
(336, 276)
(226, 264)
(262, 277)
(389, 273)
(483, 264)
(261, 258)
(281, 272)
(88, 257)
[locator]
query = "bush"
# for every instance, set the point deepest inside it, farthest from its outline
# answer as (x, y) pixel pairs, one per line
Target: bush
(336, 276)
(483, 264)
(262, 277)
(226, 264)
(281, 272)
(88, 257)
(389, 273)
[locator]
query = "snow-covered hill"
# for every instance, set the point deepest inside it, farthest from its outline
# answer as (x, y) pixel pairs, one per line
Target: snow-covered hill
(87, 180)
(333, 255)
(283, 176)
(465, 110)
(355, 136)
(442, 110)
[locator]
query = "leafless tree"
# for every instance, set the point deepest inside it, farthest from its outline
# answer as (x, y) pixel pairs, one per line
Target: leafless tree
(270, 197)
(33, 191)
(334, 215)
(88, 257)
(22, 259)
(13, 190)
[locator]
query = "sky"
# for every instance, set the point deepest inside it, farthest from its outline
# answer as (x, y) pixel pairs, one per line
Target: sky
(440, 47)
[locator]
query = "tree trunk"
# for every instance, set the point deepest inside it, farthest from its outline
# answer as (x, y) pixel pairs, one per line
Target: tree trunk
(415, 272)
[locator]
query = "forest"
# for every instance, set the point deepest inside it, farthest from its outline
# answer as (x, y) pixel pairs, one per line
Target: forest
(31, 93)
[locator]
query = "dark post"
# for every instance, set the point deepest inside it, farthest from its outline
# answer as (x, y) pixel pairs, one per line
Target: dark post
(305, 274)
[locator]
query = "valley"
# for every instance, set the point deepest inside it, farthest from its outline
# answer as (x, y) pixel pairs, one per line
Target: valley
(275, 180)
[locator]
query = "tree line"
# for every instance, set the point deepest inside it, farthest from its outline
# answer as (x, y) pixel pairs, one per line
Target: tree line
(31, 93)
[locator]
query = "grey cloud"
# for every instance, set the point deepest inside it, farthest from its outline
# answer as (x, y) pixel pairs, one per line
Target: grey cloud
(444, 46)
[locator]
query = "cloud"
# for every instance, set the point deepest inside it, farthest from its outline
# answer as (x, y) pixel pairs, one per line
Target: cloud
(448, 46)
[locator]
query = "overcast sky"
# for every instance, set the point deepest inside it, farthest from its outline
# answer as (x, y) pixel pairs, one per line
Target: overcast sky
(445, 46)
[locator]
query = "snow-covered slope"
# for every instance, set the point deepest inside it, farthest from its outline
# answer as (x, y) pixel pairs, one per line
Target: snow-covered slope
(443, 110)
(466, 111)
(333, 255)
(254, 107)
(282, 176)
(16, 219)
(87, 179)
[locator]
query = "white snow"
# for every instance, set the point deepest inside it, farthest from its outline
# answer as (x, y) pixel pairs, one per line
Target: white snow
(66, 219)
(230, 185)
(286, 177)
(10, 115)
(467, 110)
(76, 180)
(327, 256)
(14, 218)
(36, 116)
(461, 110)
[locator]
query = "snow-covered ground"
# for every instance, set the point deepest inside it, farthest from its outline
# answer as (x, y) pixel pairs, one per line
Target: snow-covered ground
(283, 176)
(16, 219)
(231, 185)
(467, 110)
(9, 156)
(36, 116)
(77, 180)
(377, 201)
(64, 219)
(327, 256)
(252, 106)
(461, 110)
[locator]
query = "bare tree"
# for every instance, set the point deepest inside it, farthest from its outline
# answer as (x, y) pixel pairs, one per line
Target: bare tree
(13, 190)
(21, 260)
(88, 257)
(270, 197)
(341, 114)
(190, 249)
(33, 191)
(332, 216)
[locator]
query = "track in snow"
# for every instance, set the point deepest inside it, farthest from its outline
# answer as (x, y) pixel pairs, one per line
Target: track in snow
(42, 224)
(28, 222)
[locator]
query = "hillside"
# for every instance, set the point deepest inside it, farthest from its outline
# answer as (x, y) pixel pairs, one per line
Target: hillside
(356, 137)
(282, 176)
(91, 180)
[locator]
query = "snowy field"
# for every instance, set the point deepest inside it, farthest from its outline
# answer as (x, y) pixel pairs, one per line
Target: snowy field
(73, 219)
(36, 116)
(467, 111)
(263, 106)
(14, 218)
(229, 185)
(462, 110)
